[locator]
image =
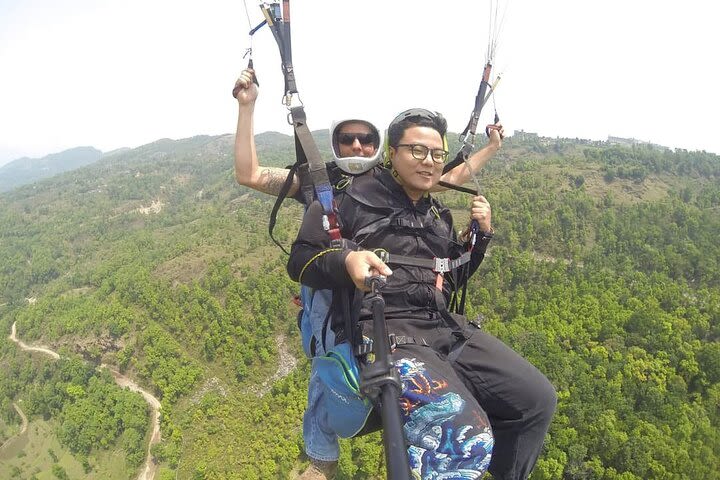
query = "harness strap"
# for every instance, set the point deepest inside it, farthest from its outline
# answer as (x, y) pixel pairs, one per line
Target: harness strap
(278, 203)
(396, 340)
(306, 150)
(437, 265)
(317, 171)
(351, 315)
(306, 187)
(458, 330)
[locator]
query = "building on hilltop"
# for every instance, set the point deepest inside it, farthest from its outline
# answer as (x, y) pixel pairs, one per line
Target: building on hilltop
(632, 141)
(523, 135)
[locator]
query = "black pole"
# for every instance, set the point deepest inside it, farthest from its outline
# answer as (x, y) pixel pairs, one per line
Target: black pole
(381, 382)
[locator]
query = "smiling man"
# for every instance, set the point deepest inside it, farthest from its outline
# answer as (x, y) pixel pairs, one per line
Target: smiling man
(501, 402)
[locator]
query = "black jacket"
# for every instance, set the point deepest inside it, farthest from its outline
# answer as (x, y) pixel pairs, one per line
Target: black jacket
(375, 213)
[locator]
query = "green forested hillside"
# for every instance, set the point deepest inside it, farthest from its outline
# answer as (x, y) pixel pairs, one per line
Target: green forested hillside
(605, 273)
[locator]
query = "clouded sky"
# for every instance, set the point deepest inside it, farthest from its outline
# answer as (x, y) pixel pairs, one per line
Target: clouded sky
(114, 74)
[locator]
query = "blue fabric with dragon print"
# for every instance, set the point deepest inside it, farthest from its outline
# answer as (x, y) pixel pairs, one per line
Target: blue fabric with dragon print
(439, 446)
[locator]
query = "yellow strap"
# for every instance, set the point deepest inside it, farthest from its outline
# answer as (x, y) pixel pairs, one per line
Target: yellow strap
(315, 258)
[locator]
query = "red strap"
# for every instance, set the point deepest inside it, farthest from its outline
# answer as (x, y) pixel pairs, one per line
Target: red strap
(334, 230)
(439, 281)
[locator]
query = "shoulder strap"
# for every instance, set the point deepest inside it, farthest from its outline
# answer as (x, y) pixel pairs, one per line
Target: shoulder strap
(306, 150)
(278, 202)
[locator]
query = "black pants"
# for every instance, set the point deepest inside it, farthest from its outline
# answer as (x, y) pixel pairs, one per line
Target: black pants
(518, 399)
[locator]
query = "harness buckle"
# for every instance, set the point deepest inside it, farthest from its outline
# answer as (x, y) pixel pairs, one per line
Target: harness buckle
(287, 100)
(442, 265)
(363, 349)
(468, 141)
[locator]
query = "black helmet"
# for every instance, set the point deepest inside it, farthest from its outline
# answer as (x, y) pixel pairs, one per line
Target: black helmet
(415, 116)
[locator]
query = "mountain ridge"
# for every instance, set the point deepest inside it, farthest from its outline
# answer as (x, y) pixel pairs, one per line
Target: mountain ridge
(28, 170)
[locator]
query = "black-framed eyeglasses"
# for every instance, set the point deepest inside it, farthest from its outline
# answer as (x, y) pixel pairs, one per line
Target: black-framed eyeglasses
(363, 138)
(420, 152)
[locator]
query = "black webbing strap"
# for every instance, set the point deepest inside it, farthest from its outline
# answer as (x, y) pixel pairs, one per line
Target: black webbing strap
(459, 188)
(306, 187)
(438, 265)
(309, 165)
(278, 203)
(396, 340)
(317, 171)
(459, 331)
(351, 317)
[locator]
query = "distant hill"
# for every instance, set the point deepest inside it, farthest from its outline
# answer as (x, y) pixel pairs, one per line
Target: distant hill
(277, 149)
(29, 170)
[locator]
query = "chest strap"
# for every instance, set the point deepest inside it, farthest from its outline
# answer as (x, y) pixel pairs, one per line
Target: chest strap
(395, 340)
(437, 265)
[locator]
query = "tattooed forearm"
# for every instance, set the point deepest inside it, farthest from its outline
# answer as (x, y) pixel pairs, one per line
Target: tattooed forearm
(272, 180)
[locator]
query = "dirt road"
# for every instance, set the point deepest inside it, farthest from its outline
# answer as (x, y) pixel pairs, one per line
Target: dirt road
(148, 473)
(21, 344)
(23, 428)
(150, 469)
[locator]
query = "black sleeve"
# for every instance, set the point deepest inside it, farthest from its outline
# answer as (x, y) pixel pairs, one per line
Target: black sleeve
(478, 252)
(313, 261)
(477, 255)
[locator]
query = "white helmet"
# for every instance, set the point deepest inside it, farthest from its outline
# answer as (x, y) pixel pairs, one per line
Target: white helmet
(355, 165)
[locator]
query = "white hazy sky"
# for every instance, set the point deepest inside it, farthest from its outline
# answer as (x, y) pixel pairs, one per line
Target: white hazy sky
(114, 74)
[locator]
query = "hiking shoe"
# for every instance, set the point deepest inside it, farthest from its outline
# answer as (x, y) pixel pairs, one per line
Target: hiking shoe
(319, 470)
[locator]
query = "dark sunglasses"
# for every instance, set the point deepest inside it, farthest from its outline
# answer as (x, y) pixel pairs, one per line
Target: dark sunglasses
(363, 138)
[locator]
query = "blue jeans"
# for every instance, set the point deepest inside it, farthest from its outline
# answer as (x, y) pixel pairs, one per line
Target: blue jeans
(321, 443)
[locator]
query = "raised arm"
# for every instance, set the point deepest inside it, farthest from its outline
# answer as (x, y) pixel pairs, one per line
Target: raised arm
(460, 174)
(248, 171)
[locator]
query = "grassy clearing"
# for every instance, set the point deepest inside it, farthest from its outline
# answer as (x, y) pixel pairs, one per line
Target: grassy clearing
(34, 454)
(7, 431)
